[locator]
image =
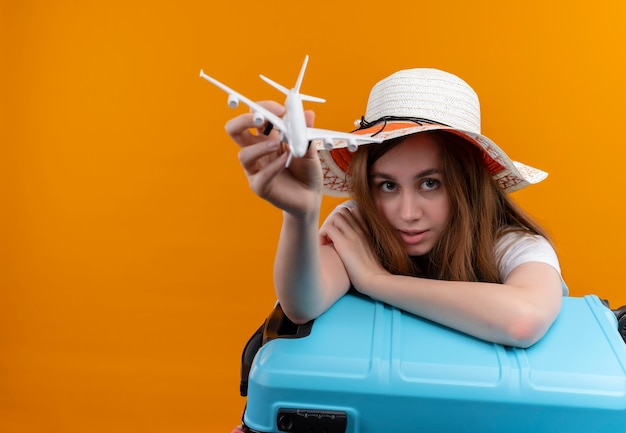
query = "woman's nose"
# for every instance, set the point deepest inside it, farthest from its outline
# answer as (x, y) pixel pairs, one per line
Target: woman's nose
(410, 207)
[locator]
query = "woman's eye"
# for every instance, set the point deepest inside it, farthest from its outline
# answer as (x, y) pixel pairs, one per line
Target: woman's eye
(429, 184)
(387, 186)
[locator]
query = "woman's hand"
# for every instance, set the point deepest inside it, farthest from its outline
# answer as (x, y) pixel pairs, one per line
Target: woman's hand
(346, 230)
(296, 189)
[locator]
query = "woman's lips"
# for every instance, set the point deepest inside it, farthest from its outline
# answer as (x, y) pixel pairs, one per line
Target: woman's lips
(412, 237)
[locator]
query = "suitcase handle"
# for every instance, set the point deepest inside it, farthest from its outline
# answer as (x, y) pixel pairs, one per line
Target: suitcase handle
(276, 325)
(620, 313)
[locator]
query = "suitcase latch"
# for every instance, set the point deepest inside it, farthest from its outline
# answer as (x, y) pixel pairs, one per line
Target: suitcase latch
(311, 421)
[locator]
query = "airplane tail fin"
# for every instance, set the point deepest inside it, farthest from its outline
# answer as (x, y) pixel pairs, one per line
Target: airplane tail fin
(301, 75)
(284, 90)
(299, 84)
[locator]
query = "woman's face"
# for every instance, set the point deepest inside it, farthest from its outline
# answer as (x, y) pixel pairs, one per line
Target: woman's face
(407, 186)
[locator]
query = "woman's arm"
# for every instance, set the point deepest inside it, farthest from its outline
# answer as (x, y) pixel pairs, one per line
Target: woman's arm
(516, 313)
(308, 277)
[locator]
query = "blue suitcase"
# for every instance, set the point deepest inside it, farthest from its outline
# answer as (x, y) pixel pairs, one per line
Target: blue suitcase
(364, 366)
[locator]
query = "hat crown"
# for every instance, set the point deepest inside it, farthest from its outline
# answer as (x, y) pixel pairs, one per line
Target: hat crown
(426, 93)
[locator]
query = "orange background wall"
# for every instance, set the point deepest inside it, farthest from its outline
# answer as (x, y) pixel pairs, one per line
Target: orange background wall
(134, 260)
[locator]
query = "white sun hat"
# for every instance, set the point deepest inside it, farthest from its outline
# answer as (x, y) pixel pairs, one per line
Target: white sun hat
(418, 100)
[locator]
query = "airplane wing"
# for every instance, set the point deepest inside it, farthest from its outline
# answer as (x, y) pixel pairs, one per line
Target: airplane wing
(324, 139)
(234, 98)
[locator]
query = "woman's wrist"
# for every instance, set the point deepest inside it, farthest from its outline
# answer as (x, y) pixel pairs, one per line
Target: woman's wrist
(373, 282)
(310, 211)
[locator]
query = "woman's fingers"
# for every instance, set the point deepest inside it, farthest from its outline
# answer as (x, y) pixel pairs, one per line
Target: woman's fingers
(346, 221)
(254, 157)
(262, 180)
(264, 157)
(240, 127)
(309, 116)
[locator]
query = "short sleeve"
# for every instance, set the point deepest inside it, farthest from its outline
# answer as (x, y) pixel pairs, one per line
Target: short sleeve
(349, 204)
(515, 248)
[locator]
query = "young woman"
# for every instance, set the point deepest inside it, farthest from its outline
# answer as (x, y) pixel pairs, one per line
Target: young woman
(430, 228)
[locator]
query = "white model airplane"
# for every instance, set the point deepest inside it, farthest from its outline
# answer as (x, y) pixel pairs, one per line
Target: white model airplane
(292, 126)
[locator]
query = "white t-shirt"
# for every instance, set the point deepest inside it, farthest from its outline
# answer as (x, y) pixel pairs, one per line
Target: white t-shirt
(515, 248)
(512, 249)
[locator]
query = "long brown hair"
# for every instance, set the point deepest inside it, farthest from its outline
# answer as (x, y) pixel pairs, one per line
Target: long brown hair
(480, 213)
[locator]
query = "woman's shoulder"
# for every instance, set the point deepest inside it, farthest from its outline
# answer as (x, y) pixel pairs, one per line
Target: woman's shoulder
(349, 204)
(516, 247)
(519, 238)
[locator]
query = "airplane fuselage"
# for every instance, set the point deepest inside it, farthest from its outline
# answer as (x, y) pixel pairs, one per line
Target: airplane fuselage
(295, 125)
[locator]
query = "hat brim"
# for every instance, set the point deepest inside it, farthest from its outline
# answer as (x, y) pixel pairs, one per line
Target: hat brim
(509, 175)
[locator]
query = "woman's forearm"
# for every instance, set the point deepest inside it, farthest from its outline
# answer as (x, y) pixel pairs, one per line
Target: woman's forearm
(297, 268)
(516, 313)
